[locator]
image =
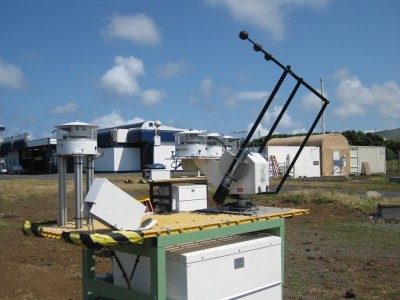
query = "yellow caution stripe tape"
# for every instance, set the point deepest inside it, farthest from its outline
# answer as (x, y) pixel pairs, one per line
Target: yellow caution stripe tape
(100, 240)
(87, 240)
(36, 229)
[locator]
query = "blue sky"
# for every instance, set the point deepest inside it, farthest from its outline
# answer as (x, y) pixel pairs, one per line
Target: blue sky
(111, 63)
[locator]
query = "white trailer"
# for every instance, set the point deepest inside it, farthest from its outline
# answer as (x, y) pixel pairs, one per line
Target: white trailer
(374, 156)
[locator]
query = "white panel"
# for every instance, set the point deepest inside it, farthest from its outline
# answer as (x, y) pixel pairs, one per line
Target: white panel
(118, 160)
(126, 159)
(157, 140)
(162, 154)
(247, 266)
(105, 163)
(113, 206)
(120, 135)
(190, 192)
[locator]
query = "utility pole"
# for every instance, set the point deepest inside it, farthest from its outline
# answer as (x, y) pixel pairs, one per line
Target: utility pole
(323, 114)
(238, 135)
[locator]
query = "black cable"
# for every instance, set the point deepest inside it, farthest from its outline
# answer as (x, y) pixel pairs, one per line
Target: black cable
(219, 141)
(134, 266)
(114, 255)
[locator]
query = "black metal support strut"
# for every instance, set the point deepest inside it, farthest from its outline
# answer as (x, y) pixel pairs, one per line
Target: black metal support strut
(223, 189)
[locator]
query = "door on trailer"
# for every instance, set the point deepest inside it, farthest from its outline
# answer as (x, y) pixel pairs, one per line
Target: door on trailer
(336, 163)
(354, 161)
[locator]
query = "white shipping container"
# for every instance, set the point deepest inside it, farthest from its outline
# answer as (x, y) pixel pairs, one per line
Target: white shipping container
(375, 156)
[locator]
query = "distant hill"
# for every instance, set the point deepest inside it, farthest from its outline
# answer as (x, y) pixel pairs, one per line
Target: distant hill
(393, 134)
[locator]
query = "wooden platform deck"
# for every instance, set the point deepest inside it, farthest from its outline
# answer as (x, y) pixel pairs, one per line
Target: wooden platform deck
(175, 223)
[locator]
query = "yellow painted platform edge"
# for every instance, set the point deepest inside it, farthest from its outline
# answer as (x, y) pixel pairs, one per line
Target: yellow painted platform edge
(168, 231)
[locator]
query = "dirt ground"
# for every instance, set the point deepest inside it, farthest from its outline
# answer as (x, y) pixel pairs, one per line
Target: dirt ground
(329, 252)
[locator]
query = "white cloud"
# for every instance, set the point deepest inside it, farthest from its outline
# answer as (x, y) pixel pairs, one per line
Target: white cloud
(206, 87)
(357, 99)
(192, 99)
(137, 28)
(348, 110)
(11, 76)
(114, 119)
(233, 101)
(254, 95)
(263, 130)
(152, 97)
(286, 121)
(269, 15)
(299, 130)
(67, 108)
(260, 131)
(121, 79)
(341, 74)
(352, 90)
(388, 98)
(311, 102)
(170, 69)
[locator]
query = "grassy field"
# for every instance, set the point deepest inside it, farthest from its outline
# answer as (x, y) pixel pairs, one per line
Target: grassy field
(337, 247)
(392, 166)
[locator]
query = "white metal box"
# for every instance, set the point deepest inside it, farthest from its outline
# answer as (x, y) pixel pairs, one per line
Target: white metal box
(252, 177)
(190, 197)
(109, 204)
(157, 174)
(247, 266)
(240, 267)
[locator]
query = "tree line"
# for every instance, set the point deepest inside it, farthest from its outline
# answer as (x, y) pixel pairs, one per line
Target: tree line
(359, 138)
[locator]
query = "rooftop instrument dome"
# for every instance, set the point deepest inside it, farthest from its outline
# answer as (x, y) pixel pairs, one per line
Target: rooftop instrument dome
(76, 138)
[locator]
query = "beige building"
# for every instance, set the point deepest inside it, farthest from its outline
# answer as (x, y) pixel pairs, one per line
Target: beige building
(333, 147)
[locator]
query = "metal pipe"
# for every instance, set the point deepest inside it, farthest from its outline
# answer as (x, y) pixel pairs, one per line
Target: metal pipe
(89, 172)
(78, 167)
(62, 195)
(89, 181)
